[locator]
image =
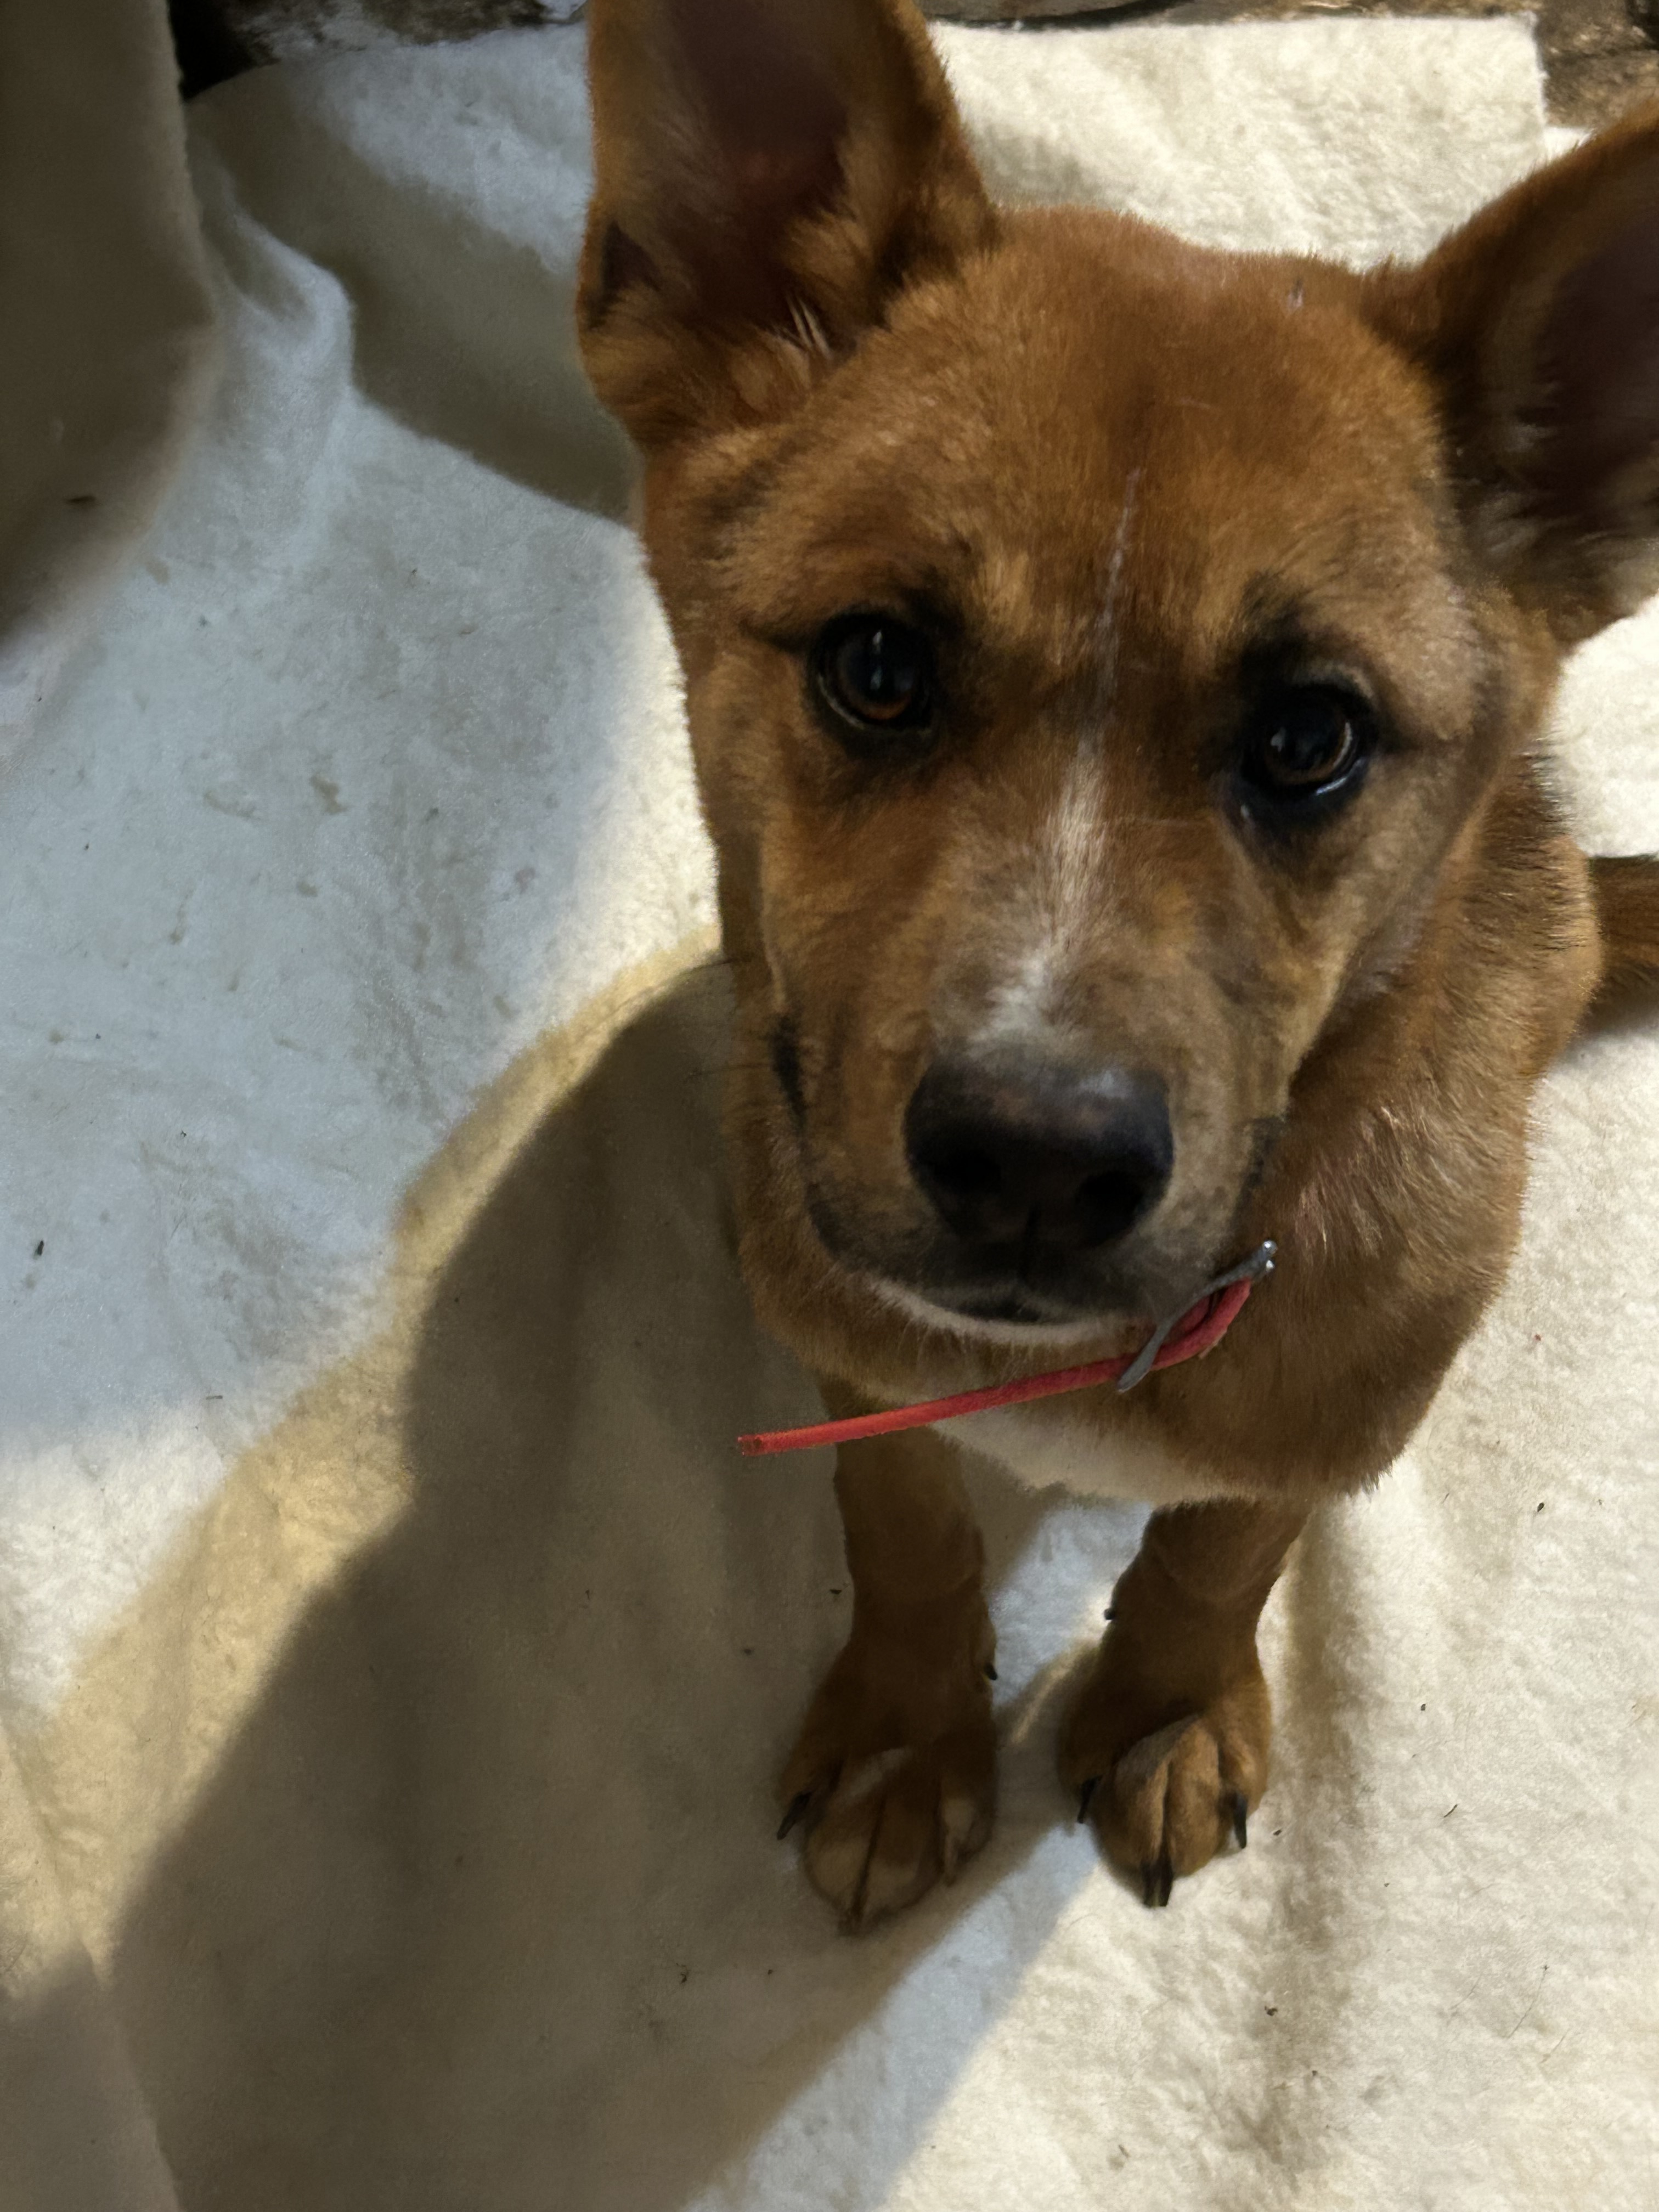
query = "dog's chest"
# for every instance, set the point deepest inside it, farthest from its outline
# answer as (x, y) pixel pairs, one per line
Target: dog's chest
(1050, 1448)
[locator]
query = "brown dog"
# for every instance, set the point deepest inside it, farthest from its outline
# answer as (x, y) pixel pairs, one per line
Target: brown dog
(1113, 668)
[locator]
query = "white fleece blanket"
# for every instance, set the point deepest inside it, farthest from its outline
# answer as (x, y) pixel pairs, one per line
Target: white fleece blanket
(394, 1654)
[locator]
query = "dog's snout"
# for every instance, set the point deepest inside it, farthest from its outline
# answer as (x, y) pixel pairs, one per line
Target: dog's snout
(1047, 1160)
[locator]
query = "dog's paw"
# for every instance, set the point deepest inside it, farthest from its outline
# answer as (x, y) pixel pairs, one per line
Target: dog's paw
(1167, 1784)
(893, 1779)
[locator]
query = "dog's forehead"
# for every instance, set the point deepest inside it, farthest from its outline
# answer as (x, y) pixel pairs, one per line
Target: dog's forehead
(1095, 416)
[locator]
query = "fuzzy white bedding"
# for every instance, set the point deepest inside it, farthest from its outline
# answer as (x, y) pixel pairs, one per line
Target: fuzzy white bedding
(395, 1655)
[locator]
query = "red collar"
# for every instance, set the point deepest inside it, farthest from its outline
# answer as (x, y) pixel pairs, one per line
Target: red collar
(1185, 1336)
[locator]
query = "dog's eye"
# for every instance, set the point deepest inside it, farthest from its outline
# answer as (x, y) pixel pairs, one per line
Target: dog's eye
(875, 673)
(1304, 745)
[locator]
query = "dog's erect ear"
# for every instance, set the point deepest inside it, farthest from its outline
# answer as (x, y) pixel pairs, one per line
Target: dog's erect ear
(767, 174)
(1539, 324)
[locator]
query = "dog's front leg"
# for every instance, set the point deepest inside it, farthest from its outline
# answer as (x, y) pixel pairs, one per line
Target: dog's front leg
(1166, 1743)
(893, 1772)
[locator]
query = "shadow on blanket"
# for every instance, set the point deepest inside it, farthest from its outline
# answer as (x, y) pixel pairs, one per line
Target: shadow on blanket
(461, 332)
(480, 1900)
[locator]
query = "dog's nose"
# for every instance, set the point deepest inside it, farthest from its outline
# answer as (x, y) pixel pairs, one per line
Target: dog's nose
(1052, 1159)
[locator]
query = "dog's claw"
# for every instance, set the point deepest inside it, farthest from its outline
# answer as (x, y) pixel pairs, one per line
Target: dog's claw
(1239, 1809)
(1157, 1881)
(797, 1805)
(1086, 1797)
(990, 1672)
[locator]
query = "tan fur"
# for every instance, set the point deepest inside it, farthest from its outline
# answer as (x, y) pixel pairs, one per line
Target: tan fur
(1108, 465)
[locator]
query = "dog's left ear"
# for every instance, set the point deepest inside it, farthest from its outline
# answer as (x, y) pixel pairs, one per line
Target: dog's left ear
(767, 174)
(1539, 323)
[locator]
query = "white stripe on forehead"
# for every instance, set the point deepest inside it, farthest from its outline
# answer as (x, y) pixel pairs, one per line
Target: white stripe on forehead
(1052, 910)
(1109, 635)
(1056, 908)
(1069, 881)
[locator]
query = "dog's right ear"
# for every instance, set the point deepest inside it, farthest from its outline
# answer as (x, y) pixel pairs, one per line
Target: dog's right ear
(1539, 324)
(767, 173)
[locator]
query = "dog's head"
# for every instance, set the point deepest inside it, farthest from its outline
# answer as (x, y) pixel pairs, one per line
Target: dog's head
(1099, 650)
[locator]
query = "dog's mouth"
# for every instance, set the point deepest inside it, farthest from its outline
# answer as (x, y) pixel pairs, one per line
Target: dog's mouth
(1025, 1294)
(1018, 1309)
(1007, 1297)
(1012, 1314)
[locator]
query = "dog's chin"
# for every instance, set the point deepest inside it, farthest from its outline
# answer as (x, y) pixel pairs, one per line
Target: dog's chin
(1005, 1317)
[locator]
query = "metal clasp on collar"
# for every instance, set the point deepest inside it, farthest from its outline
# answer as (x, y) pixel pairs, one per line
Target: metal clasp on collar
(1250, 1270)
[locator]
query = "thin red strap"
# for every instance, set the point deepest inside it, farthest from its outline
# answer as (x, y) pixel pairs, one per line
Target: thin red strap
(1201, 1329)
